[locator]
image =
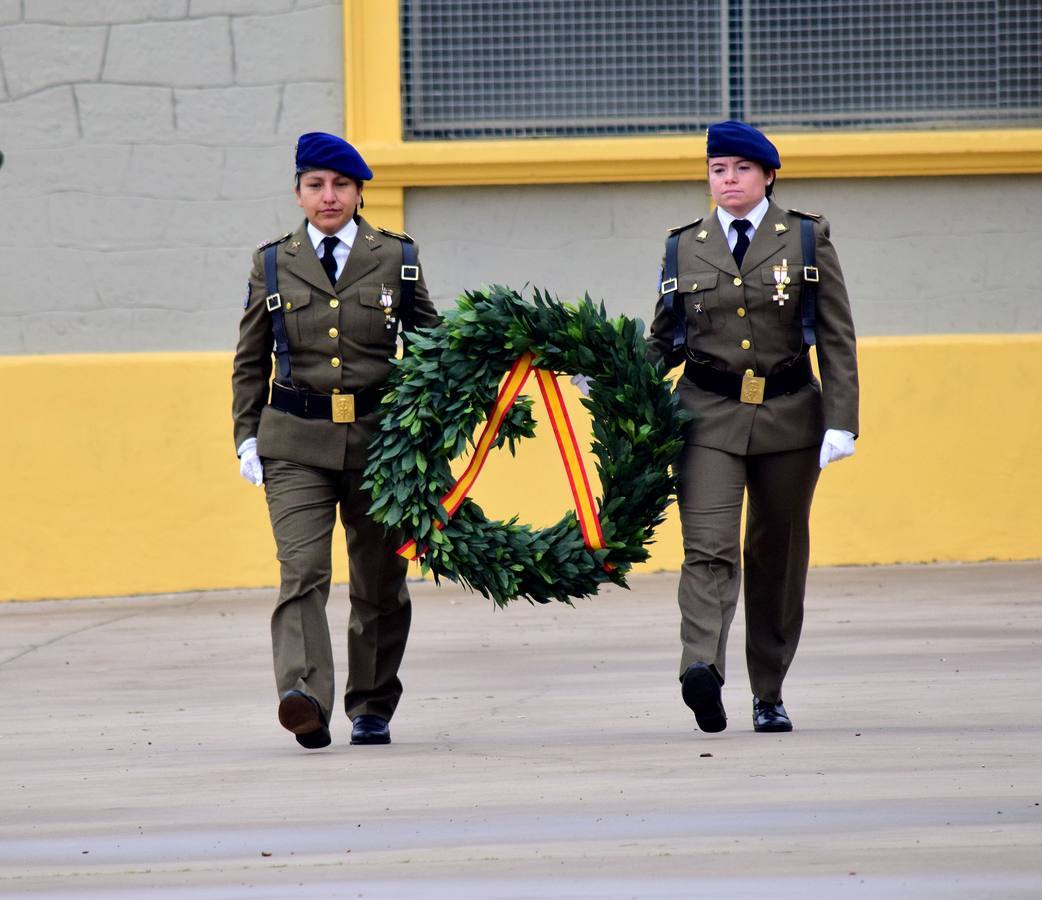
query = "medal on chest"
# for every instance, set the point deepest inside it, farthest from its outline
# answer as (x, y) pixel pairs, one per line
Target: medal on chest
(386, 304)
(781, 278)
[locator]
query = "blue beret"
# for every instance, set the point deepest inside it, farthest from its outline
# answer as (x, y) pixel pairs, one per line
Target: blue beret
(318, 150)
(733, 138)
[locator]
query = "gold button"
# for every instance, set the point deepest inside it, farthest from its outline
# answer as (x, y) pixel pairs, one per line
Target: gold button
(334, 303)
(746, 345)
(333, 333)
(336, 390)
(749, 372)
(737, 282)
(335, 361)
(741, 312)
(289, 306)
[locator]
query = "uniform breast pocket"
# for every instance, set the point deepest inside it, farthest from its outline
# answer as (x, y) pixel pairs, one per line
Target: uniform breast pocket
(296, 306)
(783, 295)
(380, 306)
(698, 290)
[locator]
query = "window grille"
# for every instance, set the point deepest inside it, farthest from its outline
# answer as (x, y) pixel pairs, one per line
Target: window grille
(918, 63)
(508, 68)
(513, 68)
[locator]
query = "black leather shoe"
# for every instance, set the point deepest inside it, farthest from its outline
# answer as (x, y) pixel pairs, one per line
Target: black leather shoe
(302, 715)
(370, 730)
(770, 716)
(700, 688)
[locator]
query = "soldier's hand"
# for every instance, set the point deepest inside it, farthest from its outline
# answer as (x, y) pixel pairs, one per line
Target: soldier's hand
(837, 444)
(250, 466)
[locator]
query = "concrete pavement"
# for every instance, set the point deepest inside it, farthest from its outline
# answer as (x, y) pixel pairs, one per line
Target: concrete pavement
(538, 752)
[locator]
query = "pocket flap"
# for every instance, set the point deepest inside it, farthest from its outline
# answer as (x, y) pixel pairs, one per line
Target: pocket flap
(694, 282)
(294, 300)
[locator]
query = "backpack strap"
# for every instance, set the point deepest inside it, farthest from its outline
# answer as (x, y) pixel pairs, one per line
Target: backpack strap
(409, 276)
(278, 318)
(809, 291)
(668, 287)
(668, 291)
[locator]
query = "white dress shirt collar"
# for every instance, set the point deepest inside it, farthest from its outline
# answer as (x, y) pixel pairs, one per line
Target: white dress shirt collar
(346, 235)
(342, 250)
(754, 216)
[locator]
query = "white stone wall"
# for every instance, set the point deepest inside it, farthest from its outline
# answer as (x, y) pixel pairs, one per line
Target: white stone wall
(148, 148)
(920, 255)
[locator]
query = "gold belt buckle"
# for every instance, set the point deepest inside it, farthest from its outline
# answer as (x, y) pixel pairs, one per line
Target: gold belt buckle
(343, 407)
(752, 389)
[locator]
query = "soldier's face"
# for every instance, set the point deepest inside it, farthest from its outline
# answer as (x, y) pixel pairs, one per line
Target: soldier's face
(737, 184)
(328, 199)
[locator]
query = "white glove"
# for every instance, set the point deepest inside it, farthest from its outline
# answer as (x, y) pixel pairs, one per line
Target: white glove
(582, 383)
(837, 444)
(250, 466)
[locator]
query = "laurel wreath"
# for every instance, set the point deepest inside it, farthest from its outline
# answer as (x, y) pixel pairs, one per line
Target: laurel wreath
(442, 389)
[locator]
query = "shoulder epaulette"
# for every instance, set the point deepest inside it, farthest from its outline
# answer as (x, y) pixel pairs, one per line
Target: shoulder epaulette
(805, 215)
(277, 240)
(401, 235)
(677, 228)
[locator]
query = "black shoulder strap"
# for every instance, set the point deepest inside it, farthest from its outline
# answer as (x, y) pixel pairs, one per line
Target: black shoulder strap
(809, 291)
(668, 291)
(410, 275)
(278, 318)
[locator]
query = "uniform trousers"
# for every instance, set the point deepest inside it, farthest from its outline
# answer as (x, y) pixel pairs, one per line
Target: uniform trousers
(780, 487)
(302, 503)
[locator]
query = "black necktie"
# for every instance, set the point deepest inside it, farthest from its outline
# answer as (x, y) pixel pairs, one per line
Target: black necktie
(329, 261)
(742, 244)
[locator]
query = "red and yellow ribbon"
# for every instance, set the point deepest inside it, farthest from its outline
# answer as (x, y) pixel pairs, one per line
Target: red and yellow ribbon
(585, 506)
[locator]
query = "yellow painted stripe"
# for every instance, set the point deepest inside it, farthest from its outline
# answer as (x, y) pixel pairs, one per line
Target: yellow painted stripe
(151, 493)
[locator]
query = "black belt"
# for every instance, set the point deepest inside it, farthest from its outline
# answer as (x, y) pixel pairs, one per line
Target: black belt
(729, 384)
(331, 407)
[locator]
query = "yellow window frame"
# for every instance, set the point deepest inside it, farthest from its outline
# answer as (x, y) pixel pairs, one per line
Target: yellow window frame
(373, 118)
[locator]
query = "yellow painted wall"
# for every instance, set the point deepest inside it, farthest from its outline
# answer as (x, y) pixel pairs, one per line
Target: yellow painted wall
(121, 478)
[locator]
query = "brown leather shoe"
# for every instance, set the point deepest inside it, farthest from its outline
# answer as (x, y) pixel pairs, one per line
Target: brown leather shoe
(770, 716)
(302, 715)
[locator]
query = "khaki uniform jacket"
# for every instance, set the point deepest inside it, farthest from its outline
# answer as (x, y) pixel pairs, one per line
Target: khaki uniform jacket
(726, 307)
(338, 342)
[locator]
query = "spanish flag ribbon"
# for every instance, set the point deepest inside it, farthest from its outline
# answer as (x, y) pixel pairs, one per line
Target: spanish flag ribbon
(585, 506)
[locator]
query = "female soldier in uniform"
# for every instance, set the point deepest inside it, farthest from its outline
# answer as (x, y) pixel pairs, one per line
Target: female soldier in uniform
(331, 297)
(737, 308)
